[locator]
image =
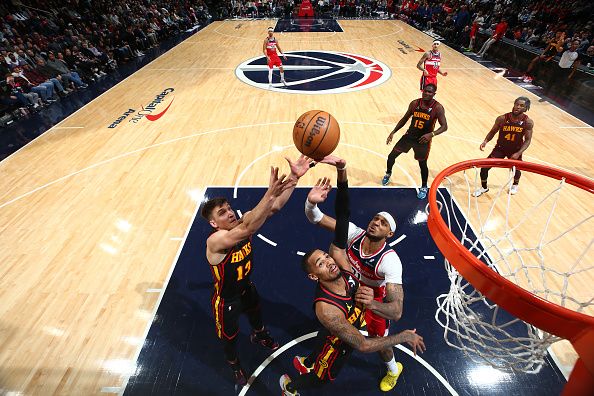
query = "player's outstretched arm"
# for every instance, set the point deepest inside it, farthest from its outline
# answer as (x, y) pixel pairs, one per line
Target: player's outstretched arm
(402, 121)
(299, 167)
(342, 209)
(498, 121)
(332, 318)
(252, 220)
(391, 308)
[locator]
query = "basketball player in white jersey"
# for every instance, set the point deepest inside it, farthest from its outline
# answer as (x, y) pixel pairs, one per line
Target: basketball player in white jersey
(376, 264)
(269, 48)
(429, 64)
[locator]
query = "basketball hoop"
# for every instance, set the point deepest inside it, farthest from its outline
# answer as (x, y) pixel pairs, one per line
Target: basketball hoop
(491, 273)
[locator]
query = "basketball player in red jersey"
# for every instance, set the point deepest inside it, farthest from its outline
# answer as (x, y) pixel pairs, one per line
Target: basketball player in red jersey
(340, 300)
(429, 65)
(377, 266)
(229, 253)
(269, 48)
(515, 135)
(424, 113)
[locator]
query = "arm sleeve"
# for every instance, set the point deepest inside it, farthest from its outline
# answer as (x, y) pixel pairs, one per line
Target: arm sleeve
(354, 232)
(391, 268)
(341, 207)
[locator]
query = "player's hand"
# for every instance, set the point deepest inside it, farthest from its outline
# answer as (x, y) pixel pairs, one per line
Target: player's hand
(319, 192)
(414, 340)
(364, 296)
(426, 138)
(300, 166)
(334, 161)
(444, 74)
(515, 156)
(277, 185)
(389, 139)
(425, 73)
(482, 146)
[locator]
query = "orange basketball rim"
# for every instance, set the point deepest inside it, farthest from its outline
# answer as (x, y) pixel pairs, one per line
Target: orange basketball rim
(576, 327)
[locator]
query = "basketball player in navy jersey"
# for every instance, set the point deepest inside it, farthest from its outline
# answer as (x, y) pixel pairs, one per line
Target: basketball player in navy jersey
(424, 112)
(229, 254)
(515, 135)
(340, 300)
(429, 64)
(269, 48)
(378, 267)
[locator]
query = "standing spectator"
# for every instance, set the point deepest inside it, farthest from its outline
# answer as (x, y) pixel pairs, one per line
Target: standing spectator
(565, 70)
(476, 25)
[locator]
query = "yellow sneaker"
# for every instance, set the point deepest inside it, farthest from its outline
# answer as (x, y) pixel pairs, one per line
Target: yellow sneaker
(389, 381)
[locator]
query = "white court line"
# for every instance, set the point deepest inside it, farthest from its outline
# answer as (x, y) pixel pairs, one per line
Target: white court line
(153, 290)
(161, 294)
(400, 238)
(304, 337)
(429, 257)
(576, 127)
(300, 253)
(111, 389)
(178, 139)
(268, 241)
(239, 213)
(66, 127)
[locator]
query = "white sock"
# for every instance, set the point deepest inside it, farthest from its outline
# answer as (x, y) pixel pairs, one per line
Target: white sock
(282, 76)
(391, 365)
(269, 76)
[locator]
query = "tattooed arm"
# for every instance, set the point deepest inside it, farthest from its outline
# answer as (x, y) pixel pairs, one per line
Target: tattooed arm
(332, 318)
(390, 309)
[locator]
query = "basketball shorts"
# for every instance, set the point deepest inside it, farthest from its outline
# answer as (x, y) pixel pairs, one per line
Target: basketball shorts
(376, 325)
(407, 142)
(226, 311)
(428, 80)
(274, 61)
(330, 359)
(502, 152)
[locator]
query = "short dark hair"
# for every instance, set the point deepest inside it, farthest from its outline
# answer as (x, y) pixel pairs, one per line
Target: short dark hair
(526, 101)
(210, 205)
(304, 264)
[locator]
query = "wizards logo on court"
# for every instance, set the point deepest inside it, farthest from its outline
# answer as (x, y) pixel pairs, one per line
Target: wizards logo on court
(316, 72)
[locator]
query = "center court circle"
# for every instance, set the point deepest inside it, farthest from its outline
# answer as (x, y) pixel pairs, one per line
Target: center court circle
(317, 72)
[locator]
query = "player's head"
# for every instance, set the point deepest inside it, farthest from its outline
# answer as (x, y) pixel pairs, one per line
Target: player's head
(521, 105)
(429, 92)
(319, 266)
(435, 45)
(381, 227)
(219, 214)
(270, 31)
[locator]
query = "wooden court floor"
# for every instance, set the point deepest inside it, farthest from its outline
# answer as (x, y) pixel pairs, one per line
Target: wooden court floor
(92, 218)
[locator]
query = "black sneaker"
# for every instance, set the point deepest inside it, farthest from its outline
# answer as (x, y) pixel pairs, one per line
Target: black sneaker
(263, 338)
(240, 377)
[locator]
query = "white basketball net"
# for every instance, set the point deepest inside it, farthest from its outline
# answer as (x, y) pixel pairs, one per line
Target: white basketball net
(471, 323)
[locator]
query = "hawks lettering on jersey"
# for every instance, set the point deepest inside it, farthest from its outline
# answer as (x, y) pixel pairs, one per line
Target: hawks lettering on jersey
(423, 120)
(232, 274)
(511, 133)
(432, 63)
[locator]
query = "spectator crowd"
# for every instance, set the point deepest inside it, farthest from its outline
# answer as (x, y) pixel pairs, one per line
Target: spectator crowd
(49, 49)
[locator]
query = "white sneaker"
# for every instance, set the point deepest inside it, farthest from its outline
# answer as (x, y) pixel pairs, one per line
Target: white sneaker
(269, 86)
(480, 192)
(513, 190)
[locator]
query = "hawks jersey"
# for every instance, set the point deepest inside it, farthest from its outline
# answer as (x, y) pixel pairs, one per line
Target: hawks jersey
(232, 274)
(354, 314)
(271, 46)
(376, 269)
(511, 133)
(423, 119)
(432, 63)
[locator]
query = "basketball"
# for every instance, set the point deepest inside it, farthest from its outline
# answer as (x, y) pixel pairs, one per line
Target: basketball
(316, 134)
